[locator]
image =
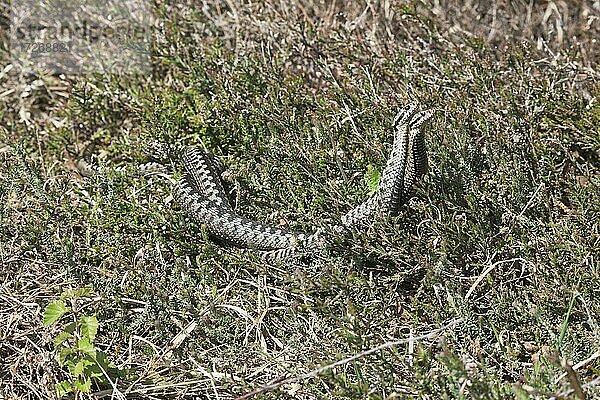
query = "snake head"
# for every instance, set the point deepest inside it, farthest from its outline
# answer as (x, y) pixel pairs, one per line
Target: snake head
(404, 115)
(420, 118)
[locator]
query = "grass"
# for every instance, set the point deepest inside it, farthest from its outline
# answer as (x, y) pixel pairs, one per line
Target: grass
(501, 237)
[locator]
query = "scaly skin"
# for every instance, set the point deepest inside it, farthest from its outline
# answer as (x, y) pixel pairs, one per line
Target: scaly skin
(406, 164)
(201, 195)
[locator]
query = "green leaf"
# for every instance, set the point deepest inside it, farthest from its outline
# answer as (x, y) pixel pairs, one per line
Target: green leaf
(89, 327)
(61, 338)
(64, 356)
(71, 328)
(78, 368)
(83, 292)
(102, 360)
(67, 294)
(565, 324)
(84, 367)
(84, 386)
(372, 178)
(76, 294)
(103, 364)
(84, 345)
(72, 366)
(63, 388)
(54, 311)
(94, 371)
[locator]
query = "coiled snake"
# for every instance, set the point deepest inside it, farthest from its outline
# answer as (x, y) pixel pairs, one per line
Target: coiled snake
(200, 193)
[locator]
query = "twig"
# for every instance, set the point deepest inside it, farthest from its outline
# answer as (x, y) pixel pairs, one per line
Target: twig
(279, 381)
(573, 379)
(579, 365)
(590, 384)
(487, 271)
(178, 339)
(531, 199)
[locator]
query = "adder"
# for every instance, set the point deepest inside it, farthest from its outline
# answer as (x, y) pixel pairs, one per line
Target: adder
(200, 193)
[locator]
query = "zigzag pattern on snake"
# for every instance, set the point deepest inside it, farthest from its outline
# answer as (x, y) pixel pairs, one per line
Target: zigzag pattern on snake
(200, 193)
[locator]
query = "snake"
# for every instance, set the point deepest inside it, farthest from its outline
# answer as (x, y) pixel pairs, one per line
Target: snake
(200, 193)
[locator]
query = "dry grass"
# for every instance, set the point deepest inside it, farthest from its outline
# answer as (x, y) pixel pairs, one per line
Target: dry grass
(503, 236)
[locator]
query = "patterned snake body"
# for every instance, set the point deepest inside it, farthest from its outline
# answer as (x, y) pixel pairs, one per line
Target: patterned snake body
(201, 195)
(406, 164)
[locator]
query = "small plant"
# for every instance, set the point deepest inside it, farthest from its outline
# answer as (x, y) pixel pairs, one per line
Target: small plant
(75, 345)
(372, 178)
